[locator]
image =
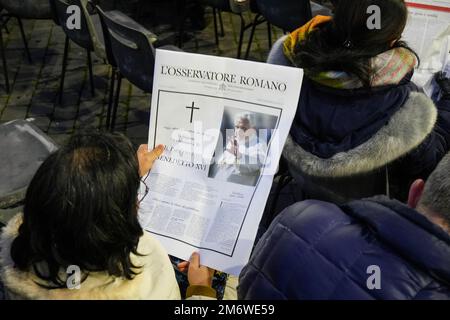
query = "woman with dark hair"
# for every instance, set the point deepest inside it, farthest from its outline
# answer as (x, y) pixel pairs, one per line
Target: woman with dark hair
(79, 236)
(359, 113)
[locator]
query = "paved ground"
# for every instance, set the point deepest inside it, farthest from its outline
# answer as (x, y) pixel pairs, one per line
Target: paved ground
(34, 85)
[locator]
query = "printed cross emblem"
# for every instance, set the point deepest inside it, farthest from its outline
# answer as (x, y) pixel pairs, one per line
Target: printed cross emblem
(192, 110)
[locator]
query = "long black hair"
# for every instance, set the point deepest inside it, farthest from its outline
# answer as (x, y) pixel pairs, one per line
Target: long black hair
(80, 209)
(347, 43)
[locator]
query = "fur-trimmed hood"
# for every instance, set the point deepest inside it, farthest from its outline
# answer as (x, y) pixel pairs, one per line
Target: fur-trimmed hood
(156, 279)
(406, 130)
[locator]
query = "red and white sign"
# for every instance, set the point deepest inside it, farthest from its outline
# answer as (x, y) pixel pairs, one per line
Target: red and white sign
(434, 5)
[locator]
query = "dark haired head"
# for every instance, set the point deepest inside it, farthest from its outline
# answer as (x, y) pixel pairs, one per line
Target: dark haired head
(347, 43)
(80, 209)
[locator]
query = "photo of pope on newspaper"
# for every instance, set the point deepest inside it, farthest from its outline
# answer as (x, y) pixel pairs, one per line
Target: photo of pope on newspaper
(242, 149)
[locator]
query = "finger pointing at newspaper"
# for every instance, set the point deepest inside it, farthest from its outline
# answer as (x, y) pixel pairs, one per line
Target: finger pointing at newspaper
(147, 158)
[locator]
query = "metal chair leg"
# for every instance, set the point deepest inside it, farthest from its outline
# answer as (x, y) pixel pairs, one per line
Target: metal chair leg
(269, 34)
(181, 15)
(116, 102)
(91, 75)
(5, 68)
(25, 42)
(216, 32)
(111, 98)
(222, 30)
(241, 36)
(63, 71)
(252, 34)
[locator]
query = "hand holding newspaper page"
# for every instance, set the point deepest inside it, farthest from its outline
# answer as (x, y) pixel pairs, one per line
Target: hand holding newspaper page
(224, 123)
(428, 33)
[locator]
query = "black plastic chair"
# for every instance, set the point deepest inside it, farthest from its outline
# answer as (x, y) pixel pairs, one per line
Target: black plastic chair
(287, 15)
(224, 6)
(28, 9)
(218, 6)
(181, 8)
(81, 37)
(4, 19)
(24, 9)
(115, 74)
(130, 49)
(24, 148)
(111, 61)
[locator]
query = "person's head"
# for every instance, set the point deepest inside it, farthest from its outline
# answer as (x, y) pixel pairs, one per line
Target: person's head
(351, 39)
(81, 209)
(433, 197)
(244, 125)
(352, 22)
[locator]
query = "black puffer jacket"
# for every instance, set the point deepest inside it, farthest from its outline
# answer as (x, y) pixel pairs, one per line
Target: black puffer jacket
(345, 132)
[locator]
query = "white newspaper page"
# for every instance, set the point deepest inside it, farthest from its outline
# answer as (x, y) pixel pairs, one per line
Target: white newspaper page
(427, 21)
(428, 33)
(223, 123)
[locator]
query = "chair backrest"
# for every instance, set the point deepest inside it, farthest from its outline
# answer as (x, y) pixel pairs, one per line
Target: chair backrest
(23, 149)
(94, 27)
(106, 38)
(344, 189)
(80, 36)
(285, 14)
(28, 9)
(132, 50)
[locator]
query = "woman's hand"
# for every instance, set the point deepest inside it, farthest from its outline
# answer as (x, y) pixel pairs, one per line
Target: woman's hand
(147, 158)
(198, 275)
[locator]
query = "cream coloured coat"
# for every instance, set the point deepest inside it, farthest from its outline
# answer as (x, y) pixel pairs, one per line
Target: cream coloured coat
(155, 281)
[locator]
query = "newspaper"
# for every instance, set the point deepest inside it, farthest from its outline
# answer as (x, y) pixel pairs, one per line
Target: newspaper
(223, 123)
(428, 33)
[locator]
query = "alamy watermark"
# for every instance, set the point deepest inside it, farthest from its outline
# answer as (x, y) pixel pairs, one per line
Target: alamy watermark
(374, 280)
(374, 20)
(73, 281)
(73, 22)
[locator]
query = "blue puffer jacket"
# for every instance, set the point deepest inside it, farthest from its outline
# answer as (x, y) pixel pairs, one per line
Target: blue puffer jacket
(342, 132)
(317, 250)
